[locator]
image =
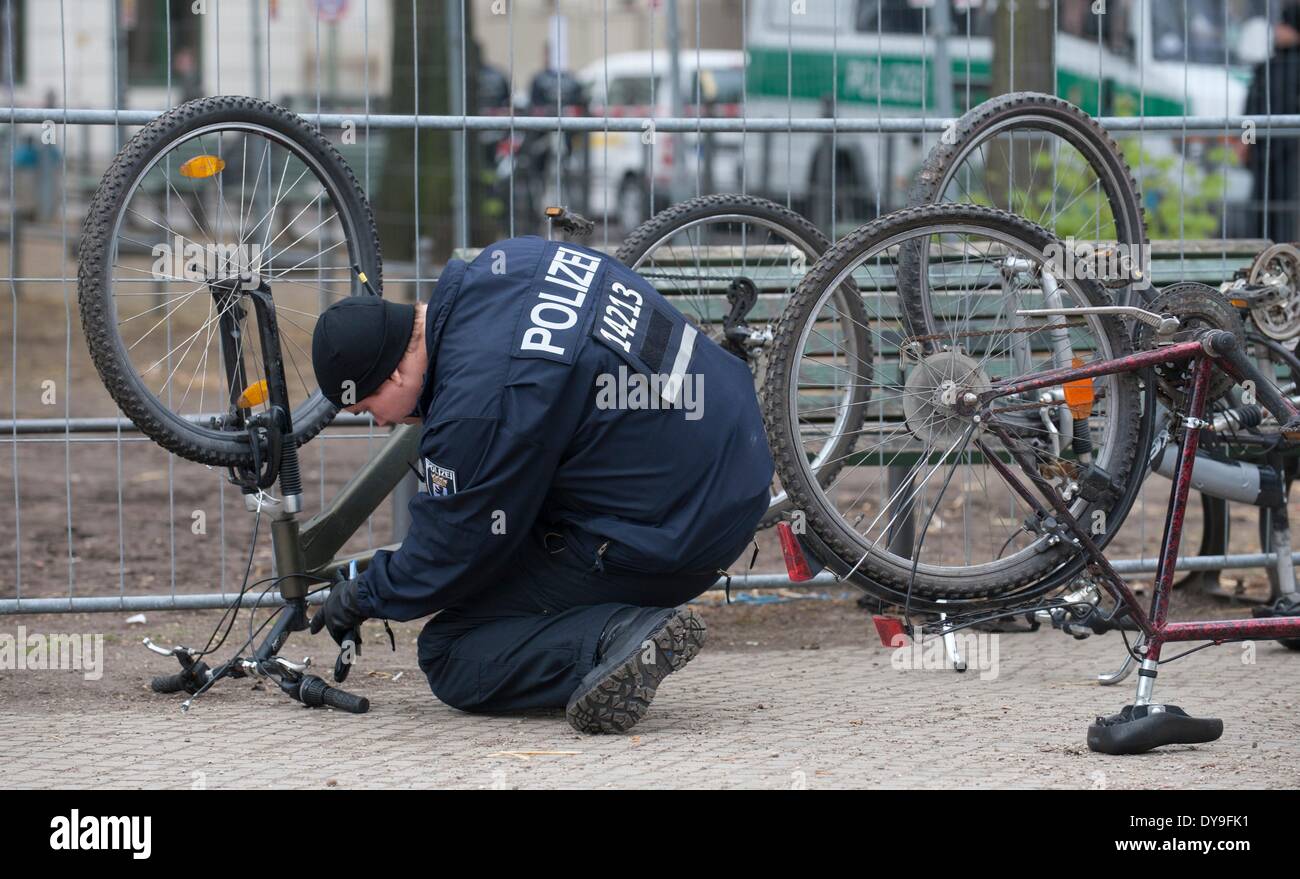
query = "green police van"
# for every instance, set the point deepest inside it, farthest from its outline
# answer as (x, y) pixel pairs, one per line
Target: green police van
(869, 59)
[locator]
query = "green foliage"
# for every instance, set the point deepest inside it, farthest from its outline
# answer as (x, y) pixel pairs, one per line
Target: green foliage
(1065, 194)
(1185, 203)
(1069, 199)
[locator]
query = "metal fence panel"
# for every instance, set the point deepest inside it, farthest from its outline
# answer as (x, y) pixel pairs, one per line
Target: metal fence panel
(101, 519)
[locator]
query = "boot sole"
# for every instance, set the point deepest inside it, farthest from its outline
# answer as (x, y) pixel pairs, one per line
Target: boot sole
(616, 702)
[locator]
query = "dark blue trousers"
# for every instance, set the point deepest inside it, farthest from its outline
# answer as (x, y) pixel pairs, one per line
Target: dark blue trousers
(528, 640)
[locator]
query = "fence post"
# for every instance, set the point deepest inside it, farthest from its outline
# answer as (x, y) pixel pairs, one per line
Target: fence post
(902, 530)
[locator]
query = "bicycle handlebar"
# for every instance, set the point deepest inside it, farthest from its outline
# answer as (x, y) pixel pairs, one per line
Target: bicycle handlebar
(1225, 346)
(195, 676)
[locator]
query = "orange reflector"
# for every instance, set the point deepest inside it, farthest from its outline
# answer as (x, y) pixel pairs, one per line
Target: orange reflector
(1079, 394)
(554, 212)
(795, 564)
(1238, 303)
(202, 166)
(890, 630)
(253, 395)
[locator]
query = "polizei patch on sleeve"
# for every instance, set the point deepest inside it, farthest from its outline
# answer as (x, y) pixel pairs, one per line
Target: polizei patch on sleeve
(439, 481)
(554, 316)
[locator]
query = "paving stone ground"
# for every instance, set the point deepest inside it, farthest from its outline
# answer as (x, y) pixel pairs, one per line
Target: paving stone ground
(838, 717)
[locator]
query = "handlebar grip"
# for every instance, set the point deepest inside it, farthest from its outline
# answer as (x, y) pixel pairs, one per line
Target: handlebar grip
(315, 692)
(169, 683)
(187, 679)
(345, 701)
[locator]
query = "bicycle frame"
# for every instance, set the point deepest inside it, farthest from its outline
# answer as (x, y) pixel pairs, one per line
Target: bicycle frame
(313, 548)
(1153, 624)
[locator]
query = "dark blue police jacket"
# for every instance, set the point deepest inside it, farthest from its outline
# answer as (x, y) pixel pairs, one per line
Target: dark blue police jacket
(564, 391)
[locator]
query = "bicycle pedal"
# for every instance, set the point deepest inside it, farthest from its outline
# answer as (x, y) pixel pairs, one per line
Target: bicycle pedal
(1140, 728)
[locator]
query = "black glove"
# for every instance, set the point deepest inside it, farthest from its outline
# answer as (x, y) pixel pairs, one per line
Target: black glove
(341, 614)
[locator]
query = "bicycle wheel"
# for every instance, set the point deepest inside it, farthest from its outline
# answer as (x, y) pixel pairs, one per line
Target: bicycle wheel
(978, 540)
(214, 190)
(730, 260)
(1044, 159)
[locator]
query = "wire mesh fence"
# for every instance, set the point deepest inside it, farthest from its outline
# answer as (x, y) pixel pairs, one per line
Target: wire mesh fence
(463, 119)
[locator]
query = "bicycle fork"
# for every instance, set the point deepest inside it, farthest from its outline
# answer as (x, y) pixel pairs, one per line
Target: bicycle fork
(275, 458)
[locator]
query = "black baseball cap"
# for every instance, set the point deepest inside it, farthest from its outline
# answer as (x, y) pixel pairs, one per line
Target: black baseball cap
(359, 339)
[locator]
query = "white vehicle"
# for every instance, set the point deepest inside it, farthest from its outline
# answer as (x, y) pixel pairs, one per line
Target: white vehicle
(1148, 57)
(624, 168)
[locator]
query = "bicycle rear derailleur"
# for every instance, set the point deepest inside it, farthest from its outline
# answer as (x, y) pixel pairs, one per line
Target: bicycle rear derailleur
(1080, 614)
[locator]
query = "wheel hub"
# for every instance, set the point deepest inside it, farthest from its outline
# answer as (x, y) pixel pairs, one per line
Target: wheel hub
(940, 392)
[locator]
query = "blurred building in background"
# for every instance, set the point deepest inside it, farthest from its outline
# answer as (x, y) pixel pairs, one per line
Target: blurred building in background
(850, 59)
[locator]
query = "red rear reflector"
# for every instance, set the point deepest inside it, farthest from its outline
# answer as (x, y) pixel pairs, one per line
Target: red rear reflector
(795, 564)
(890, 630)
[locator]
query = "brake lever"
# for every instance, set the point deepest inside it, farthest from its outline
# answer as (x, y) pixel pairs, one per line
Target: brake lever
(163, 651)
(348, 651)
(350, 648)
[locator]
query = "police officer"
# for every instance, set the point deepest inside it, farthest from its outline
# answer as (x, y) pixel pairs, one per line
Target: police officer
(590, 462)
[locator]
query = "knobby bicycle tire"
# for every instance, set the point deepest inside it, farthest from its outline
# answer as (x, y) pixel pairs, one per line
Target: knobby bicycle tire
(176, 434)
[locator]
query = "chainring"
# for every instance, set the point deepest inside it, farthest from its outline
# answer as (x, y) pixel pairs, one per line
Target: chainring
(1198, 308)
(1278, 267)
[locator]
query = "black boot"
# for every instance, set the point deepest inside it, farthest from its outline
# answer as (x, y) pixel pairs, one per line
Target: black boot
(638, 649)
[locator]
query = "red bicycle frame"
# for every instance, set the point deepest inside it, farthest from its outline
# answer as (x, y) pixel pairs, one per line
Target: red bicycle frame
(1153, 623)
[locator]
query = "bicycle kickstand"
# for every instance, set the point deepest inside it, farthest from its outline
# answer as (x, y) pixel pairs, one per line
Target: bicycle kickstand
(1115, 677)
(951, 647)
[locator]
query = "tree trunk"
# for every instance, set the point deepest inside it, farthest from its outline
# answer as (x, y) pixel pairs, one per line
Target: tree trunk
(1023, 57)
(423, 183)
